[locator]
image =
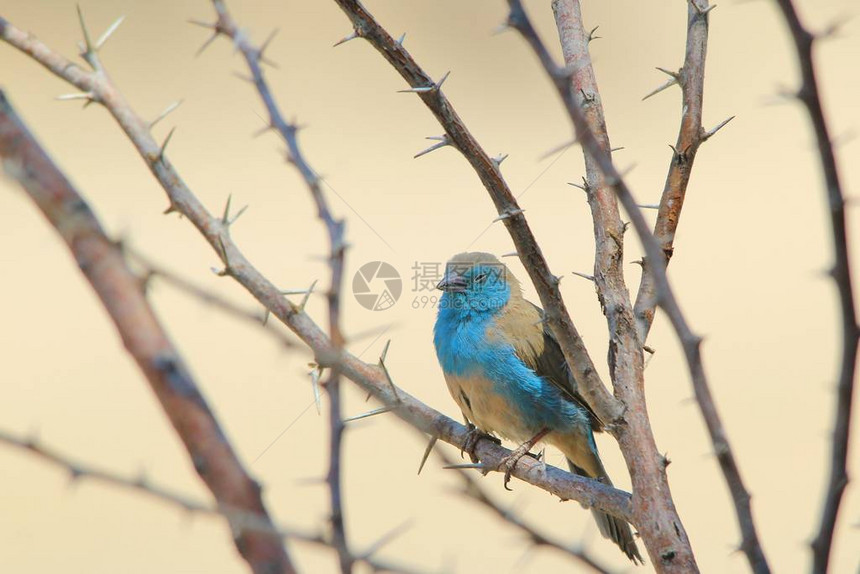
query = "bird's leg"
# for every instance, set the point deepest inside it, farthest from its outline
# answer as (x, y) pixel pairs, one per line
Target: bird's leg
(509, 462)
(472, 439)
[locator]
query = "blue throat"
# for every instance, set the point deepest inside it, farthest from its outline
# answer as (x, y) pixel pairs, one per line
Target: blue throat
(460, 333)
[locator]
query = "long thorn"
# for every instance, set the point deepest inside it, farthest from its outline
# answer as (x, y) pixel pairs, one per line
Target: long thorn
(669, 83)
(442, 81)
(385, 370)
(206, 44)
(368, 414)
(107, 34)
(557, 148)
(315, 385)
(207, 25)
(425, 89)
(238, 215)
(164, 145)
(669, 73)
(265, 45)
(87, 41)
(386, 538)
(508, 215)
(427, 452)
(307, 295)
(345, 39)
(226, 217)
(384, 353)
(583, 186)
(443, 141)
(78, 96)
(167, 111)
(707, 135)
(478, 465)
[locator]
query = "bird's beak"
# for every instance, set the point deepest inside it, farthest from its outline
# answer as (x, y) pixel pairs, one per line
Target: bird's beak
(452, 282)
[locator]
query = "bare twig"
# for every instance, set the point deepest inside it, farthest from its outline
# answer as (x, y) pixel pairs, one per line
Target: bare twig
(473, 490)
(691, 134)
(546, 284)
(370, 377)
(808, 94)
(690, 342)
(154, 271)
(122, 295)
(142, 485)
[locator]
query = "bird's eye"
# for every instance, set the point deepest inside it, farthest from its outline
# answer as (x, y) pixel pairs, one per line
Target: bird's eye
(480, 278)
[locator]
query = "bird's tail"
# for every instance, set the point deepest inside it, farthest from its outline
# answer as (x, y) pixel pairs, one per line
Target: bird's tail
(610, 527)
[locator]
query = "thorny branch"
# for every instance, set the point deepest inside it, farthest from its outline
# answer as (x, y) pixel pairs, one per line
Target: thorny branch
(808, 94)
(473, 490)
(660, 526)
(365, 26)
(665, 297)
(121, 292)
(153, 272)
(247, 521)
(254, 56)
(691, 78)
(372, 378)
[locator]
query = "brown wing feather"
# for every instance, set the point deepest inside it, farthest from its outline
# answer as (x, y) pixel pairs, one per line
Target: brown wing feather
(539, 349)
(551, 365)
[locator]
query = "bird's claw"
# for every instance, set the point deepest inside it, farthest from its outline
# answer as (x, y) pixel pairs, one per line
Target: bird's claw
(510, 462)
(471, 442)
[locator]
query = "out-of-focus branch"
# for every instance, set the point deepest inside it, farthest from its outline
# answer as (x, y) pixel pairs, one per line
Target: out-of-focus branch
(372, 378)
(122, 295)
(254, 57)
(841, 273)
(473, 490)
(691, 78)
(608, 409)
(142, 485)
(153, 271)
(680, 559)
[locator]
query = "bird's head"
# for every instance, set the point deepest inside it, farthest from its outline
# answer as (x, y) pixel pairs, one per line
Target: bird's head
(477, 282)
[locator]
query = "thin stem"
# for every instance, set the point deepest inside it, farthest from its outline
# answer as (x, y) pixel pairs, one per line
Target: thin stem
(809, 95)
(253, 56)
(691, 78)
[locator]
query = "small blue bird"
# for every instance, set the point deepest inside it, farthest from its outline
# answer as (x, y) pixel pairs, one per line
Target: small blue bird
(506, 371)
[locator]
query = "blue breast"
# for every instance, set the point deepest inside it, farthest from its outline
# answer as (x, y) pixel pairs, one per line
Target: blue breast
(463, 349)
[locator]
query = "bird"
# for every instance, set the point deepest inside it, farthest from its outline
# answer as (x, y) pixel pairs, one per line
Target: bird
(505, 370)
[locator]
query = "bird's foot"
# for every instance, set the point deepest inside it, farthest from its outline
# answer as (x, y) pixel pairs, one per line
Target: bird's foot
(472, 441)
(510, 462)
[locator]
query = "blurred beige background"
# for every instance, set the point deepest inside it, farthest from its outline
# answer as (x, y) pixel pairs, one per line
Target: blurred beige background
(750, 253)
